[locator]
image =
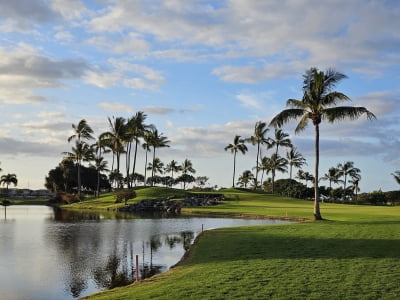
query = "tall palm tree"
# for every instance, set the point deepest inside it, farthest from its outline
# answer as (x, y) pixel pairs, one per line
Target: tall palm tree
(9, 179)
(147, 136)
(319, 103)
(157, 140)
(281, 139)
(259, 138)
(238, 145)
(186, 168)
(115, 138)
(82, 133)
(396, 176)
(173, 167)
(276, 163)
(137, 128)
(295, 159)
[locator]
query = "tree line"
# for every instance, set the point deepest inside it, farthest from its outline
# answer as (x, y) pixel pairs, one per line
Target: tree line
(122, 141)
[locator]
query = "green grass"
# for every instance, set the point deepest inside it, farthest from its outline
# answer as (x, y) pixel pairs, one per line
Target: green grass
(353, 255)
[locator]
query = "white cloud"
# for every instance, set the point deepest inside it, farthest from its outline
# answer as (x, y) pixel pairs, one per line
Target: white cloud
(158, 110)
(249, 101)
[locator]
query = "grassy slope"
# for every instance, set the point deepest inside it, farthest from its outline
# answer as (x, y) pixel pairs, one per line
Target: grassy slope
(354, 255)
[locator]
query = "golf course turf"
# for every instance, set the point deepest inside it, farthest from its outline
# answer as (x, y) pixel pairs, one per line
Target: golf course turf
(353, 254)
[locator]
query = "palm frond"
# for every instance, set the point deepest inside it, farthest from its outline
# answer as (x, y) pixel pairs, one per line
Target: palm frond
(302, 124)
(333, 98)
(286, 116)
(346, 112)
(294, 103)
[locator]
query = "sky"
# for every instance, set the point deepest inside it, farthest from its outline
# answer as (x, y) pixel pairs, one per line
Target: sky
(203, 72)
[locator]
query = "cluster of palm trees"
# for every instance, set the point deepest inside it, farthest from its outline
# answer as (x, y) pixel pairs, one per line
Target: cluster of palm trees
(347, 171)
(265, 164)
(8, 179)
(123, 140)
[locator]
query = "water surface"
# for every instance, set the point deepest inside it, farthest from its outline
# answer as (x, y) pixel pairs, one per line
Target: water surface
(48, 253)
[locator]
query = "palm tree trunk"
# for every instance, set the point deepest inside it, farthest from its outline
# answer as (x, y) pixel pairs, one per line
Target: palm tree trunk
(234, 169)
(128, 163)
(79, 180)
(134, 159)
(317, 213)
(258, 154)
(145, 169)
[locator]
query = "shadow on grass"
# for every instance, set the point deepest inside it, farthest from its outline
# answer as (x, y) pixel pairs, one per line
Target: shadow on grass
(221, 246)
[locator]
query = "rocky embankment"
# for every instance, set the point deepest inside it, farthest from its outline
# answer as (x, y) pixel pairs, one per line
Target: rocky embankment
(172, 204)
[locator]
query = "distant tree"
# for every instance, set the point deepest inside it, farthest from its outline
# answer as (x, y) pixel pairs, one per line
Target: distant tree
(295, 159)
(276, 163)
(259, 138)
(157, 140)
(186, 168)
(157, 166)
(101, 166)
(237, 146)
(115, 139)
(319, 103)
(82, 133)
(348, 170)
(172, 167)
(281, 139)
(8, 179)
(246, 177)
(201, 181)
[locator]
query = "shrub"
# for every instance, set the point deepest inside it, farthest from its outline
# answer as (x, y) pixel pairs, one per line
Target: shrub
(124, 195)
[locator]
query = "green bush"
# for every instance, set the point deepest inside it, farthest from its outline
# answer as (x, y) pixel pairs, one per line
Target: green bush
(124, 195)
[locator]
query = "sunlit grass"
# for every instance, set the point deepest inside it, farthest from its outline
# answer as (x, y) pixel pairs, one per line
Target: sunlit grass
(353, 255)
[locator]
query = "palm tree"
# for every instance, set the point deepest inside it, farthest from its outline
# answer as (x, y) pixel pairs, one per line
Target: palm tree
(101, 166)
(156, 167)
(147, 136)
(355, 181)
(295, 159)
(333, 177)
(135, 130)
(319, 103)
(82, 132)
(238, 145)
(81, 152)
(186, 167)
(347, 169)
(9, 179)
(115, 138)
(276, 163)
(259, 138)
(173, 167)
(157, 140)
(245, 178)
(280, 139)
(396, 176)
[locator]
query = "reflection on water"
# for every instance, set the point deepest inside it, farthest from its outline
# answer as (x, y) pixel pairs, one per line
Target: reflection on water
(61, 254)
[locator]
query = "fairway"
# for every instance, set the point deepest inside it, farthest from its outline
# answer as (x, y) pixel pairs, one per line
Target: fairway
(355, 254)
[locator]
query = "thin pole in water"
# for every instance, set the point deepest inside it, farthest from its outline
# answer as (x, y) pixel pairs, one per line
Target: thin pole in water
(137, 268)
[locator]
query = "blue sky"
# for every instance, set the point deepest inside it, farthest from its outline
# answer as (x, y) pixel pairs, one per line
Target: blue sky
(203, 71)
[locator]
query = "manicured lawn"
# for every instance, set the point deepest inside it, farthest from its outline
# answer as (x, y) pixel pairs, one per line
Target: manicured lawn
(353, 255)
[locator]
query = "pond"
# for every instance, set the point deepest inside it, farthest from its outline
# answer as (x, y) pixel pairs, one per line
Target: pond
(50, 253)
